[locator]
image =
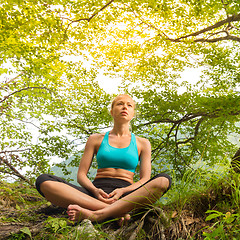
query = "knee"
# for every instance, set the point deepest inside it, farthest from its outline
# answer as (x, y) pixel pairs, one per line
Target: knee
(43, 182)
(41, 179)
(161, 183)
(47, 185)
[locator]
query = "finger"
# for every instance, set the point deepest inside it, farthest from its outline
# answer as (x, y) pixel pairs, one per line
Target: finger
(106, 200)
(113, 199)
(111, 194)
(116, 195)
(70, 214)
(104, 194)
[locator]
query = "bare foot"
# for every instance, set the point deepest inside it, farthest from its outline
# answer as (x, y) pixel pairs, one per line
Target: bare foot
(77, 213)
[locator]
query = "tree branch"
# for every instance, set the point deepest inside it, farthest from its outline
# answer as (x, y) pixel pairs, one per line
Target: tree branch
(179, 142)
(177, 148)
(14, 170)
(189, 116)
(10, 81)
(91, 17)
(228, 37)
(158, 148)
(233, 18)
(229, 20)
(12, 151)
(177, 123)
(83, 19)
(195, 132)
(23, 89)
(74, 124)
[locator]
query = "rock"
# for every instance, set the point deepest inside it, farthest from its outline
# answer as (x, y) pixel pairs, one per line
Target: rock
(87, 230)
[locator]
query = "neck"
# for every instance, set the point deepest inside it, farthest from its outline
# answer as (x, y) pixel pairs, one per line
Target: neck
(121, 129)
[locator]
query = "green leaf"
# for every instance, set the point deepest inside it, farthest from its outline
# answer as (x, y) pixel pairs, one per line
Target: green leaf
(17, 207)
(215, 214)
(27, 231)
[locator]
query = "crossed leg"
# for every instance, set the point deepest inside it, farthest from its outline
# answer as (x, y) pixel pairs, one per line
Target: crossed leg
(147, 194)
(63, 195)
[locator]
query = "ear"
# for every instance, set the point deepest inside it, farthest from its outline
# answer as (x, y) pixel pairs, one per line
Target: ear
(111, 112)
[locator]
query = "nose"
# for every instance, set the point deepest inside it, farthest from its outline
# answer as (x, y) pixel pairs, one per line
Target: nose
(124, 106)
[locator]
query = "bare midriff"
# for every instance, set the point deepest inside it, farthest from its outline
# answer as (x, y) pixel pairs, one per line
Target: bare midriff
(115, 173)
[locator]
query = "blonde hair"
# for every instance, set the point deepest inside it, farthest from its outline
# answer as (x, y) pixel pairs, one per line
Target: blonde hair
(120, 95)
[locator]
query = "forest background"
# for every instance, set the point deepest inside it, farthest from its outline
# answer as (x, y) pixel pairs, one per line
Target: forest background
(54, 52)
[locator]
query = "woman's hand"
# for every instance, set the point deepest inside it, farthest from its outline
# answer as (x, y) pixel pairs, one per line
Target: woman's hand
(108, 198)
(102, 196)
(116, 194)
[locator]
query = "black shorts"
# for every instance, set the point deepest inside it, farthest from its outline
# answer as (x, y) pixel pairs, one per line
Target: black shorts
(106, 184)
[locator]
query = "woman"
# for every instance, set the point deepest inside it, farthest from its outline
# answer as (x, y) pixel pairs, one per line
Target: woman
(113, 192)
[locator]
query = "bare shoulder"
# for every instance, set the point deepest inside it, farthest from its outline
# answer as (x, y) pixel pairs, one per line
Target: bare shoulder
(96, 137)
(94, 141)
(143, 142)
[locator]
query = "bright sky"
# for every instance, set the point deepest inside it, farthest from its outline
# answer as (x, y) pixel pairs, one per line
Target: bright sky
(111, 85)
(108, 84)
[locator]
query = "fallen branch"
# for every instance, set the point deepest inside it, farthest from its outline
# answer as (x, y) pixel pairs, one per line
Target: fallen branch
(15, 171)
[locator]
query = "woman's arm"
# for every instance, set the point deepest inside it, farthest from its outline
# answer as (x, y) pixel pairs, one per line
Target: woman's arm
(85, 163)
(145, 169)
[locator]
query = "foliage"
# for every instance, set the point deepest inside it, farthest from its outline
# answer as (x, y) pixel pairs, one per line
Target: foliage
(56, 224)
(27, 232)
(211, 206)
(17, 236)
(206, 202)
(51, 101)
(226, 226)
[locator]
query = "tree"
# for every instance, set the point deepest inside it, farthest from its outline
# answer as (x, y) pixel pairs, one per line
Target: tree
(52, 52)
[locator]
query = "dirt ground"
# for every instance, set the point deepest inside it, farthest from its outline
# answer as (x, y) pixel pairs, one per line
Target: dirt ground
(181, 226)
(23, 208)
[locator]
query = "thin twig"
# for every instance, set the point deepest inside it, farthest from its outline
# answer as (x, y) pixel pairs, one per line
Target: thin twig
(12, 151)
(10, 81)
(23, 89)
(89, 18)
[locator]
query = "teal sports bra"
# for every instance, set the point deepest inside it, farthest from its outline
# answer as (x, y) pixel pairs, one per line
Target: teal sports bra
(112, 157)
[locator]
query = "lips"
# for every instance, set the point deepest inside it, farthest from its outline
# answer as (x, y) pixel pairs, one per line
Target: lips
(124, 113)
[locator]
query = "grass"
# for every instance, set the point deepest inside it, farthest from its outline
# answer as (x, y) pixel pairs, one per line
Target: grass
(202, 205)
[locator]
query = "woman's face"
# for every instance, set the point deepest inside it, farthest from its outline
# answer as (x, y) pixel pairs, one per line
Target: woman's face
(123, 108)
